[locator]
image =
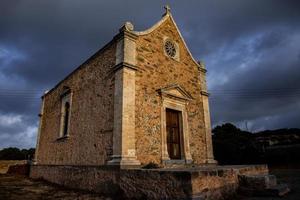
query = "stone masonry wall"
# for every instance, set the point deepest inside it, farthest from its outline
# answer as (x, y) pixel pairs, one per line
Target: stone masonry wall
(99, 179)
(194, 183)
(156, 70)
(91, 118)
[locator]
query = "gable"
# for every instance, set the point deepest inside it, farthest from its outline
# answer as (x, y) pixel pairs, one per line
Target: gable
(168, 19)
(175, 91)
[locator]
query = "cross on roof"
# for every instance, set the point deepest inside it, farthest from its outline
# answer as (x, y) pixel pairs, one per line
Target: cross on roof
(167, 8)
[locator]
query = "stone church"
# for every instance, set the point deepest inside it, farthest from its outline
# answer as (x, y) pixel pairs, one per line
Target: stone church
(141, 98)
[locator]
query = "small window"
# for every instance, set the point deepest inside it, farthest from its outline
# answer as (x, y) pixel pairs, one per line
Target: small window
(66, 118)
(65, 113)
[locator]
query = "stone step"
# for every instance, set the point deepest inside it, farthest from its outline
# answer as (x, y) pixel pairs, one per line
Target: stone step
(257, 182)
(280, 189)
(272, 181)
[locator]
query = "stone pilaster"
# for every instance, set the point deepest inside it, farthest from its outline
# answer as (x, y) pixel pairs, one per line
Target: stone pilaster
(124, 150)
(35, 159)
(204, 94)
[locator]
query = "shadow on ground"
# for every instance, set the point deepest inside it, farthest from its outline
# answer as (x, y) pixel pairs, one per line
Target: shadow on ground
(23, 188)
(291, 176)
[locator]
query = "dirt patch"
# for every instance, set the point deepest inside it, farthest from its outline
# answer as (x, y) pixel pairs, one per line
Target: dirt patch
(23, 188)
(19, 170)
(4, 164)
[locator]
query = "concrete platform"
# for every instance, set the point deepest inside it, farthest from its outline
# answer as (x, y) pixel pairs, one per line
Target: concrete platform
(193, 182)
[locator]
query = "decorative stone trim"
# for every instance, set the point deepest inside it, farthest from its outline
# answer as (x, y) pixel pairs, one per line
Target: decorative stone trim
(172, 100)
(207, 124)
(177, 49)
(124, 149)
(206, 114)
(65, 92)
(35, 159)
(201, 67)
(66, 96)
(126, 47)
(124, 64)
(155, 26)
(205, 93)
(182, 93)
(126, 33)
(166, 16)
(128, 26)
(62, 139)
(176, 162)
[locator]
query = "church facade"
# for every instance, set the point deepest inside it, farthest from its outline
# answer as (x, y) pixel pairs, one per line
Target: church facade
(142, 98)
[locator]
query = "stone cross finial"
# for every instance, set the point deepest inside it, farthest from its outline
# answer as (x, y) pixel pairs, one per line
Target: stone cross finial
(167, 8)
(128, 26)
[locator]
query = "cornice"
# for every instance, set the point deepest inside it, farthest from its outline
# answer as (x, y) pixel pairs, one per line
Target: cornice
(123, 65)
(204, 93)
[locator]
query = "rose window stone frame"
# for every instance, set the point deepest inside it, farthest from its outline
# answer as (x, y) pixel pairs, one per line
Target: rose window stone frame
(171, 48)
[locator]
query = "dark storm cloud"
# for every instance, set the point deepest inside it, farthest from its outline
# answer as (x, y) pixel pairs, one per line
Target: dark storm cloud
(264, 84)
(245, 44)
(216, 23)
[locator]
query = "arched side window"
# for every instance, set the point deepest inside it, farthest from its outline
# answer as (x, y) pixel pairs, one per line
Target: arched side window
(66, 118)
(65, 113)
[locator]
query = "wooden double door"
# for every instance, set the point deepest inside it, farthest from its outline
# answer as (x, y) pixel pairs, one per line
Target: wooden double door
(173, 123)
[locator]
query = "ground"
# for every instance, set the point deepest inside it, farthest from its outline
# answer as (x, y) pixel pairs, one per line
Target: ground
(23, 188)
(289, 176)
(4, 164)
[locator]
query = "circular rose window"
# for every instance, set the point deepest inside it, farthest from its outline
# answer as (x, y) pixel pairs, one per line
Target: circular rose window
(170, 48)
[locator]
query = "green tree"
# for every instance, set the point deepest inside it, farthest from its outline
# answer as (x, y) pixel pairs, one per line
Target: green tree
(13, 153)
(234, 146)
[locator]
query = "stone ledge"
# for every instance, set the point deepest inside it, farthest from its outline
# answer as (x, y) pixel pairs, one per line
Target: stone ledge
(122, 65)
(125, 34)
(63, 138)
(204, 93)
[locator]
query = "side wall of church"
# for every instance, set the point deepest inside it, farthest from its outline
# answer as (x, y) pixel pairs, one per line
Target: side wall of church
(91, 118)
(156, 70)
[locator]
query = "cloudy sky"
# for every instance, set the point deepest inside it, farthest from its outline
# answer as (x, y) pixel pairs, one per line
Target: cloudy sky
(251, 49)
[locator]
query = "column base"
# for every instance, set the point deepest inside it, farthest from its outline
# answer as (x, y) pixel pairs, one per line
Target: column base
(34, 162)
(211, 161)
(168, 161)
(189, 161)
(124, 161)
